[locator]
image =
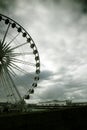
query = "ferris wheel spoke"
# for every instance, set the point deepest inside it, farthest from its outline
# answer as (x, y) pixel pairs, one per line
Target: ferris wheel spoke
(6, 80)
(13, 39)
(6, 48)
(17, 78)
(3, 80)
(23, 62)
(21, 54)
(6, 86)
(21, 70)
(10, 86)
(2, 86)
(12, 72)
(18, 68)
(19, 45)
(6, 33)
(13, 83)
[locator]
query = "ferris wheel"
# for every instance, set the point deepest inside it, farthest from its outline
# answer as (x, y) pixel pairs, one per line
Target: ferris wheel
(19, 62)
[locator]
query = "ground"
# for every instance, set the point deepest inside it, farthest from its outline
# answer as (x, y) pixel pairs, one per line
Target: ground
(63, 119)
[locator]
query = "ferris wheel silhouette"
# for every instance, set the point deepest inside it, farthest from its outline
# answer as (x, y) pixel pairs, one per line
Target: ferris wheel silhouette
(19, 61)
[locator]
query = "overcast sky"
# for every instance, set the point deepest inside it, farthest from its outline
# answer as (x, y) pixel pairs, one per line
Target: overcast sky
(59, 29)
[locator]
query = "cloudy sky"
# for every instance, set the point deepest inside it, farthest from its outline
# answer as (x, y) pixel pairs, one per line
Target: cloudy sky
(59, 29)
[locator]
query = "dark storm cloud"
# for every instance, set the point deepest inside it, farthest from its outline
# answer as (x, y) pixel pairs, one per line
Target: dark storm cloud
(6, 5)
(11, 4)
(83, 4)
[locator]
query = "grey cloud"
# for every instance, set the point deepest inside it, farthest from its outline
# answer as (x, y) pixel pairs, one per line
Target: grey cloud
(46, 75)
(24, 80)
(53, 92)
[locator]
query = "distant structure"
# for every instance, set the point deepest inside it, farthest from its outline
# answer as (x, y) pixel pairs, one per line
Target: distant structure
(19, 62)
